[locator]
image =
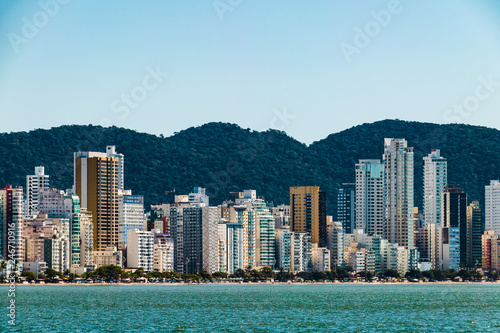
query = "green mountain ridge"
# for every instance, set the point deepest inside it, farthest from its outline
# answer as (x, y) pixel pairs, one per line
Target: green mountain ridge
(225, 157)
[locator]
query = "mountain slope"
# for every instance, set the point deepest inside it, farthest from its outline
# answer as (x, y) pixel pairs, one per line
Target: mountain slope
(224, 157)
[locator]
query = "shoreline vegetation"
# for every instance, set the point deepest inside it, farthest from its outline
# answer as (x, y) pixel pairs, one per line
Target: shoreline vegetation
(113, 275)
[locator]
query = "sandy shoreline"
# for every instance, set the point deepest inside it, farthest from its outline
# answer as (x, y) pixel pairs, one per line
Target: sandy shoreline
(255, 283)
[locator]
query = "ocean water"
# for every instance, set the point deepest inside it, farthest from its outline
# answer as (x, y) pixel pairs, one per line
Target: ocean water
(255, 308)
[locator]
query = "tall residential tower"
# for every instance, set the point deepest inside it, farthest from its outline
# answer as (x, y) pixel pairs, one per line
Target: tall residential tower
(435, 180)
(370, 197)
(96, 182)
(398, 192)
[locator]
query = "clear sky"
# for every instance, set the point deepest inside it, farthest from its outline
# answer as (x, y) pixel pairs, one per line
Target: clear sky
(310, 68)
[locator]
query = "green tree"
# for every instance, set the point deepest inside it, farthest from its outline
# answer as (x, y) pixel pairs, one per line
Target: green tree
(284, 276)
(52, 274)
(343, 273)
(205, 275)
(30, 276)
(220, 275)
(413, 274)
(428, 274)
(110, 272)
(318, 276)
(492, 275)
(391, 273)
(465, 274)
(239, 273)
(267, 273)
(368, 275)
(476, 275)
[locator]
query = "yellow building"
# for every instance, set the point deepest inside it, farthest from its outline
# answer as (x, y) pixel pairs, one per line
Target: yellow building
(308, 212)
(96, 183)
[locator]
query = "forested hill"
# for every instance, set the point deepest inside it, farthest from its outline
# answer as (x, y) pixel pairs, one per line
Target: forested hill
(224, 157)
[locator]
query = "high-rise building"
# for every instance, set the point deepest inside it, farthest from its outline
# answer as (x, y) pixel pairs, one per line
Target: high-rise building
(34, 183)
(210, 241)
(320, 258)
(140, 249)
(398, 192)
(120, 168)
(264, 235)
(300, 254)
(435, 180)
(230, 237)
(11, 224)
(283, 249)
(429, 244)
(56, 204)
(48, 239)
(243, 213)
(308, 212)
(186, 227)
(492, 206)
(346, 207)
(96, 182)
(163, 253)
(370, 215)
(451, 248)
(86, 239)
(454, 215)
(130, 215)
(397, 258)
(281, 216)
(475, 230)
(335, 234)
(380, 247)
(490, 250)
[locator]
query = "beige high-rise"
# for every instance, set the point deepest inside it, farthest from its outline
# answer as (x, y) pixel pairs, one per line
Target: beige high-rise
(96, 183)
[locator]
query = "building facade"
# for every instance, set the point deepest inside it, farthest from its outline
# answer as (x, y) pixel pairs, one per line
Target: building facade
(370, 215)
(346, 206)
(435, 179)
(398, 192)
(492, 206)
(34, 183)
(96, 182)
(308, 212)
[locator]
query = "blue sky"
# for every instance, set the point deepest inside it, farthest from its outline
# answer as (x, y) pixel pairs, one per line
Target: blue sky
(163, 66)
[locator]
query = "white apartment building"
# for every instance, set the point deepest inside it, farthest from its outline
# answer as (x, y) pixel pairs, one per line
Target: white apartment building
(231, 247)
(140, 249)
(398, 192)
(370, 216)
(163, 253)
(210, 238)
(34, 183)
(86, 239)
(130, 215)
(335, 239)
(435, 179)
(492, 206)
(320, 258)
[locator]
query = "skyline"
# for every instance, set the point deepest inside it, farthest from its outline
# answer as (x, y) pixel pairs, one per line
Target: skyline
(298, 68)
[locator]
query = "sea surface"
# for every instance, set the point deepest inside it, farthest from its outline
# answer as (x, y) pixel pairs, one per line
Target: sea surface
(255, 308)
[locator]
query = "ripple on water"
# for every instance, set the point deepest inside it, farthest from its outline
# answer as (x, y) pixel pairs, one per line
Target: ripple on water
(247, 308)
